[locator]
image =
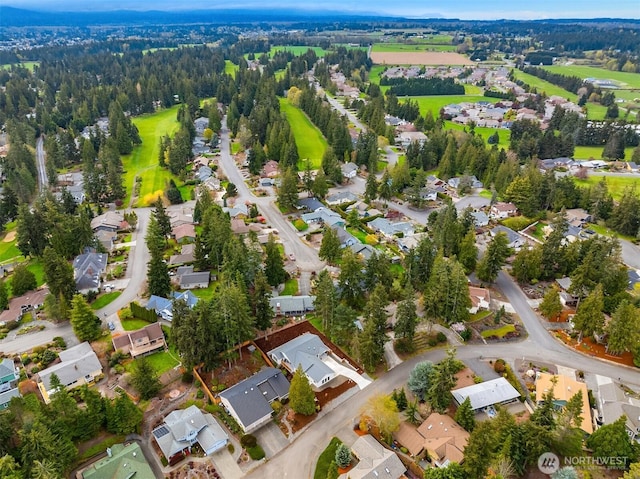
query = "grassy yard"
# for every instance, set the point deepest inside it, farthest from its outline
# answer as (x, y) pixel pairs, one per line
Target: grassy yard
(326, 458)
(9, 251)
(133, 324)
(616, 184)
(230, 68)
(503, 135)
(479, 315)
(595, 152)
(358, 233)
(486, 194)
(206, 293)
(499, 332)
(105, 299)
(143, 162)
(290, 287)
(161, 361)
(309, 140)
(604, 231)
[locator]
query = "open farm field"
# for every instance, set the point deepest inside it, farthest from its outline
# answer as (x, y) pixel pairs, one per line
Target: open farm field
(28, 65)
(143, 161)
(420, 58)
(503, 134)
(297, 50)
(625, 80)
(595, 152)
(616, 184)
(309, 140)
(412, 47)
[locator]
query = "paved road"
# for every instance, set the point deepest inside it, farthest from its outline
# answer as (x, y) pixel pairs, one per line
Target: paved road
(306, 256)
(30, 340)
(43, 182)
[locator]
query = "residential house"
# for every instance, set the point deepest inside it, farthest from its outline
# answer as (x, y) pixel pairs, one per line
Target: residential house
(239, 227)
(78, 365)
(502, 210)
(237, 211)
(249, 401)
(306, 351)
(270, 169)
(436, 183)
(88, 269)
(614, 403)
(486, 394)
(31, 300)
(473, 182)
(324, 216)
(480, 299)
(212, 183)
(141, 342)
(184, 233)
(365, 250)
(122, 461)
(374, 461)
(266, 182)
(310, 204)
(292, 305)
(346, 238)
(189, 279)
(177, 219)
(391, 230)
(110, 221)
(634, 278)
(516, 241)
(633, 166)
(164, 307)
(187, 255)
(9, 377)
(407, 137)
(349, 170)
(564, 388)
(201, 124)
(106, 238)
(183, 428)
(407, 243)
(567, 299)
(341, 198)
(204, 173)
(480, 219)
(578, 217)
(439, 436)
(428, 194)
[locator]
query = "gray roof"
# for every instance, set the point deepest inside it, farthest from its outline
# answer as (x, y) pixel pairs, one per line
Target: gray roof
(565, 283)
(292, 304)
(183, 428)
(76, 363)
(186, 296)
(312, 204)
(251, 399)
(305, 351)
(349, 168)
(159, 304)
(480, 218)
(87, 269)
(364, 249)
(325, 215)
(512, 236)
(342, 197)
(388, 228)
(488, 393)
(195, 278)
(375, 461)
(7, 368)
(7, 396)
(346, 238)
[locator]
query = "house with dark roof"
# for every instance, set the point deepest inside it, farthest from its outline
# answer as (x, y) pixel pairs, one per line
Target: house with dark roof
(122, 461)
(187, 255)
(374, 461)
(270, 169)
(480, 219)
(346, 238)
(487, 393)
(164, 307)
(306, 351)
(310, 204)
(106, 238)
(249, 401)
(190, 279)
(204, 173)
(291, 305)
(363, 249)
(9, 377)
(78, 365)
(88, 269)
(140, 342)
(183, 428)
(516, 241)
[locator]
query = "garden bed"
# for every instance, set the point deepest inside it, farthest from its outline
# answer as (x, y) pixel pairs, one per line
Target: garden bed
(590, 347)
(245, 366)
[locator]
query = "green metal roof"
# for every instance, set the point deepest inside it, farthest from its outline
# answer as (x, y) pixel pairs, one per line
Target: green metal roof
(126, 461)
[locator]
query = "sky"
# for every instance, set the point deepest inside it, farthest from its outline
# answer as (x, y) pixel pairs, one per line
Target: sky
(463, 9)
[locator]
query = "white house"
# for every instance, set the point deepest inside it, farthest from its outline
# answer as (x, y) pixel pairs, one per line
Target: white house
(308, 352)
(502, 210)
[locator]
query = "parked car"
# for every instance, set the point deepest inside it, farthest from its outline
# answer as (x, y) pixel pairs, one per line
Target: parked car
(112, 327)
(292, 256)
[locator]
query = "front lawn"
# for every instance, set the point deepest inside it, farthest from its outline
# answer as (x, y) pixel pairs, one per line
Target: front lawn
(290, 287)
(326, 458)
(133, 324)
(499, 332)
(161, 362)
(105, 299)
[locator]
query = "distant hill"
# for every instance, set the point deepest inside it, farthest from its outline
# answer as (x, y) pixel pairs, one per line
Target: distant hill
(17, 17)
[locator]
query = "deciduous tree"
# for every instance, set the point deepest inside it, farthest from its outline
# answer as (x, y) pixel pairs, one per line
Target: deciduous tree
(383, 412)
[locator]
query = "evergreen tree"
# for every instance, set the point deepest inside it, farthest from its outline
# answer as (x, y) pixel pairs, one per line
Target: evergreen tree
(406, 318)
(612, 441)
(4, 296)
(343, 455)
(301, 397)
(145, 379)
(384, 190)
(23, 280)
(623, 329)
(86, 325)
(320, 187)
(443, 381)
(123, 416)
(326, 300)
(420, 379)
(465, 416)
(274, 264)
(158, 277)
(371, 188)
(58, 274)
(330, 246)
(589, 318)
(374, 336)
(551, 307)
(494, 258)
(478, 453)
(288, 190)
(468, 255)
(163, 219)
(447, 292)
(351, 278)
(261, 296)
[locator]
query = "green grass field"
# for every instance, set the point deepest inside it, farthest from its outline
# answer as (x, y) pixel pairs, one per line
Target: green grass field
(595, 152)
(230, 68)
(134, 324)
(499, 332)
(326, 458)
(615, 184)
(405, 47)
(105, 299)
(290, 287)
(311, 144)
(503, 134)
(297, 50)
(161, 362)
(9, 251)
(28, 65)
(143, 161)
(628, 80)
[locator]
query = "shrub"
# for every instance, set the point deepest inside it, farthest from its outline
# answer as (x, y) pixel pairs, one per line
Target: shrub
(466, 334)
(499, 366)
(200, 394)
(11, 325)
(300, 225)
(187, 376)
(276, 406)
(26, 359)
(59, 342)
(248, 440)
(125, 313)
(441, 337)
(343, 455)
(35, 370)
(404, 450)
(432, 342)
(256, 453)
(371, 240)
(48, 357)
(231, 448)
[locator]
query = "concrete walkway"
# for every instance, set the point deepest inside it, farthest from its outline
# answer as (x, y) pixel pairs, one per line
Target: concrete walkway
(227, 465)
(346, 372)
(390, 355)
